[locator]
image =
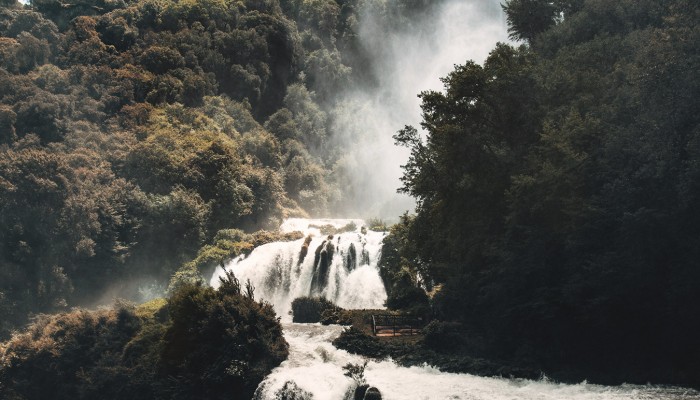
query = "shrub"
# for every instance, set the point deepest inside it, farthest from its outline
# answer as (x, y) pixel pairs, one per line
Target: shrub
(355, 341)
(443, 336)
(202, 343)
(410, 299)
(310, 309)
(336, 315)
(220, 341)
(378, 225)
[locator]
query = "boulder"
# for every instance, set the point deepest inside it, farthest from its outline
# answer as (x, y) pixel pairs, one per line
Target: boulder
(373, 393)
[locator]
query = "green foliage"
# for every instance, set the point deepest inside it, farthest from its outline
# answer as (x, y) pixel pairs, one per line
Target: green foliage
(227, 244)
(238, 341)
(406, 296)
(311, 309)
(64, 355)
(443, 336)
(200, 343)
(355, 341)
(377, 225)
(330, 230)
(290, 391)
(129, 140)
(356, 372)
(553, 191)
(403, 277)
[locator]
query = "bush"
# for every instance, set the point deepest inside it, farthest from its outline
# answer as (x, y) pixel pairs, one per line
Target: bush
(311, 309)
(355, 341)
(336, 315)
(202, 343)
(409, 299)
(220, 341)
(443, 336)
(377, 225)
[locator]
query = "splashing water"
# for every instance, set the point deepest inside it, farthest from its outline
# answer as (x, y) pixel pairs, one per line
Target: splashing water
(315, 368)
(349, 276)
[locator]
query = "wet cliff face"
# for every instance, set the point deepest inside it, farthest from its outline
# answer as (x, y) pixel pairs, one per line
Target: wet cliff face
(322, 264)
(337, 260)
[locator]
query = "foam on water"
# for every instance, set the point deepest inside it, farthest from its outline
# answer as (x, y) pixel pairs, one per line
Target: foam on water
(315, 366)
(279, 277)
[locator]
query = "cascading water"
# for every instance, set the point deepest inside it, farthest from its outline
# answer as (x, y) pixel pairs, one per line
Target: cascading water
(330, 267)
(314, 371)
(342, 267)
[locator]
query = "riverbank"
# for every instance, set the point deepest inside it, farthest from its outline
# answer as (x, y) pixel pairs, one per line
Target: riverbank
(316, 370)
(441, 350)
(448, 348)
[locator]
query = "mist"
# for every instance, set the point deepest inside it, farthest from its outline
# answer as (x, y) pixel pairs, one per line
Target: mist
(406, 62)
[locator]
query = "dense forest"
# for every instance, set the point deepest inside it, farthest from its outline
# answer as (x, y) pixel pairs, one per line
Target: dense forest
(145, 141)
(142, 143)
(131, 132)
(557, 189)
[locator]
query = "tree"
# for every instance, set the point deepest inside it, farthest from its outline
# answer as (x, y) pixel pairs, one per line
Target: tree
(528, 18)
(237, 340)
(552, 190)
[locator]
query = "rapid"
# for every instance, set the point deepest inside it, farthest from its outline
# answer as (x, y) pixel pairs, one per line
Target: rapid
(314, 368)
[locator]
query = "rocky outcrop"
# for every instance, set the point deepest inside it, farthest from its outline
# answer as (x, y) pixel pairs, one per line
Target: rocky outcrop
(323, 258)
(350, 259)
(304, 249)
(373, 394)
(364, 257)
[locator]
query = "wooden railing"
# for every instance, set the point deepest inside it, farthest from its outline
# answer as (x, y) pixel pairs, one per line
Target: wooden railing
(396, 325)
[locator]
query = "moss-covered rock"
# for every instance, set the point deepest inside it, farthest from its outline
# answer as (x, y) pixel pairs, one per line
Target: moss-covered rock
(227, 244)
(408, 351)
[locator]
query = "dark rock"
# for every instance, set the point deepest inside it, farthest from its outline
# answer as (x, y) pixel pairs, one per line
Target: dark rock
(351, 258)
(364, 257)
(322, 263)
(360, 392)
(373, 394)
(304, 249)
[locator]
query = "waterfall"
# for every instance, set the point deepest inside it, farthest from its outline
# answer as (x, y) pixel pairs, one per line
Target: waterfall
(337, 260)
(343, 268)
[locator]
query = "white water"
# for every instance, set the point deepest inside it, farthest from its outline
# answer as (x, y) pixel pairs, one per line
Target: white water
(315, 366)
(279, 278)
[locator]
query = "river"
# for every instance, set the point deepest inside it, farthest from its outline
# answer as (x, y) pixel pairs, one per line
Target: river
(315, 367)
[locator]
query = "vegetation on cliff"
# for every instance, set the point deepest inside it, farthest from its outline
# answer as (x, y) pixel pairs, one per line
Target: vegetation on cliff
(133, 131)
